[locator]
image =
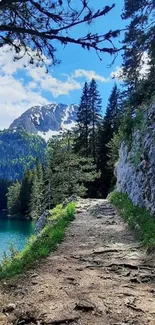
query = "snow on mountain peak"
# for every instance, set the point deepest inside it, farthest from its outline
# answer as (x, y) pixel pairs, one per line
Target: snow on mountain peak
(48, 120)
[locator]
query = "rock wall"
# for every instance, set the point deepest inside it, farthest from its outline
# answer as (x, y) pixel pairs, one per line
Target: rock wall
(135, 170)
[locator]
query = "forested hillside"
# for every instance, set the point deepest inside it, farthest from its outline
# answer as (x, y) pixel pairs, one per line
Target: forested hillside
(18, 152)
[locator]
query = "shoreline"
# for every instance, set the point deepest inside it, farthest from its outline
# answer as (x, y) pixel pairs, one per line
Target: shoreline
(4, 215)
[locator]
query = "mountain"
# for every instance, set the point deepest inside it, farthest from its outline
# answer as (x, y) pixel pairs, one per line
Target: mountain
(48, 120)
(18, 152)
(25, 140)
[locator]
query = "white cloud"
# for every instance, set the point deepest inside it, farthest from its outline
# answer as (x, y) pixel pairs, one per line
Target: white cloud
(17, 95)
(15, 99)
(89, 74)
(51, 84)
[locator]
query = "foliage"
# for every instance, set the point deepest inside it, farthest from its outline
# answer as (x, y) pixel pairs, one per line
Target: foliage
(133, 122)
(35, 203)
(127, 126)
(25, 193)
(4, 184)
(39, 246)
(18, 152)
(88, 118)
(112, 116)
(70, 209)
(113, 152)
(59, 210)
(95, 109)
(13, 200)
(25, 199)
(139, 219)
(106, 131)
(69, 172)
(139, 48)
(34, 27)
(65, 173)
(84, 114)
(56, 212)
(139, 82)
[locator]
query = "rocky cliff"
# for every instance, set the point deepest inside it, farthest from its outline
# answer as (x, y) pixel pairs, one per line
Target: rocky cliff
(135, 170)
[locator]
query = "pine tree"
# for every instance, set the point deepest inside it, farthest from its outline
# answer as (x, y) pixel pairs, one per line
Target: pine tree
(69, 171)
(83, 123)
(105, 133)
(95, 108)
(111, 119)
(13, 199)
(40, 175)
(139, 43)
(4, 185)
(36, 205)
(25, 193)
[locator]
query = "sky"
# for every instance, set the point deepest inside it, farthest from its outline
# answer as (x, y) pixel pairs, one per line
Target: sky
(23, 87)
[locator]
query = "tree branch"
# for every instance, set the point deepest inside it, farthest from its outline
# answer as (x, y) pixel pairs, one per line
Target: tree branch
(37, 24)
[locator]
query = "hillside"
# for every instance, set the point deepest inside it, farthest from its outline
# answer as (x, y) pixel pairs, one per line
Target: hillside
(18, 151)
(24, 141)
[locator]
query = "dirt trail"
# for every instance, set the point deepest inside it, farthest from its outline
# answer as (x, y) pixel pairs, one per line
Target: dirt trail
(99, 275)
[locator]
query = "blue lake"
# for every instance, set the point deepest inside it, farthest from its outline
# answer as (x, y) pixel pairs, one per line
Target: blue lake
(14, 232)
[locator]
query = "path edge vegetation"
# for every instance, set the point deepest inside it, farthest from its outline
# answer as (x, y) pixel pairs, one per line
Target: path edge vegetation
(41, 245)
(139, 219)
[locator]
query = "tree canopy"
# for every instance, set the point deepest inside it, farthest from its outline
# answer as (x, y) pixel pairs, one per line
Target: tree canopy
(139, 39)
(34, 26)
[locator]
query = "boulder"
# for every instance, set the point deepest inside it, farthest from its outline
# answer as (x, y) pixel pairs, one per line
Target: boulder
(72, 198)
(41, 222)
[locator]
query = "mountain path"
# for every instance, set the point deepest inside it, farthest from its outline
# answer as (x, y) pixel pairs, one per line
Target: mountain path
(99, 275)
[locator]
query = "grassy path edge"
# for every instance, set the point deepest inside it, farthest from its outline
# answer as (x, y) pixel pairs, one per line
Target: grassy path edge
(39, 246)
(138, 219)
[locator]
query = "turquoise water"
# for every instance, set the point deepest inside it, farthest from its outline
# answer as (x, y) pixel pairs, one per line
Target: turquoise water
(14, 232)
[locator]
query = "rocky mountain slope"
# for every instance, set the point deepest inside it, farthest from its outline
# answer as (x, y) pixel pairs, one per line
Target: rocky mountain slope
(48, 120)
(135, 169)
(24, 141)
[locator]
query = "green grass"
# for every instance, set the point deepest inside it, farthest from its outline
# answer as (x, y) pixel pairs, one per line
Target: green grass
(39, 246)
(138, 219)
(56, 212)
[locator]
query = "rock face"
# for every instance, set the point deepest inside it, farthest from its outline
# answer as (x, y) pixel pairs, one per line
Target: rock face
(135, 170)
(41, 222)
(48, 120)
